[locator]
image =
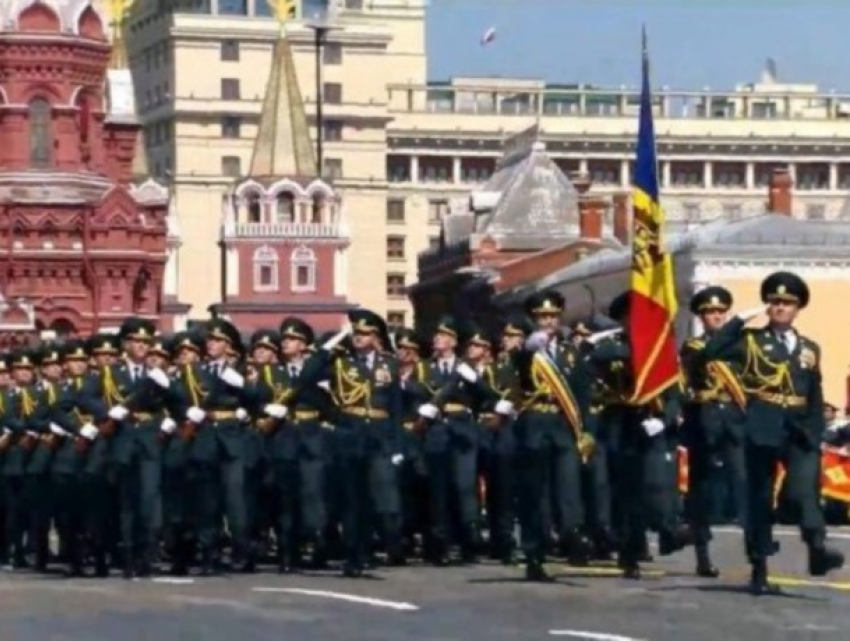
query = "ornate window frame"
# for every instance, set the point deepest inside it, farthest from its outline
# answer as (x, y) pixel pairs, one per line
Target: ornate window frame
(303, 257)
(266, 257)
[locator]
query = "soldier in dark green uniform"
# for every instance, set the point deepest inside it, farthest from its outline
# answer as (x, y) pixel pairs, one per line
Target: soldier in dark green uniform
(5, 384)
(551, 436)
(218, 449)
(496, 415)
(264, 353)
(713, 423)
(39, 490)
(365, 385)
(642, 442)
(451, 443)
(18, 441)
(68, 417)
(781, 373)
(410, 350)
(140, 398)
(179, 486)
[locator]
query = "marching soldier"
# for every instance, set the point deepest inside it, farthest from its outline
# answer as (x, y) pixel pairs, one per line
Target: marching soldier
(713, 423)
(218, 449)
(139, 398)
(451, 443)
(496, 415)
(551, 436)
(644, 466)
(780, 369)
(365, 386)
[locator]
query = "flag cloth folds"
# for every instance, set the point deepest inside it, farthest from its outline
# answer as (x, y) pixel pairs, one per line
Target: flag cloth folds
(652, 304)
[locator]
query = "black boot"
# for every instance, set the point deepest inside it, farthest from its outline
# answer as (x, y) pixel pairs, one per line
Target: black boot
(535, 572)
(758, 579)
(705, 568)
(670, 541)
(822, 560)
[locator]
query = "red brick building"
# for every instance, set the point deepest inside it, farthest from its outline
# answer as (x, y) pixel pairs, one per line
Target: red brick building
(283, 239)
(81, 245)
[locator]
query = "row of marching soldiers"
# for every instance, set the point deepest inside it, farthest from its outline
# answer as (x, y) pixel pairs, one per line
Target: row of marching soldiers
(194, 446)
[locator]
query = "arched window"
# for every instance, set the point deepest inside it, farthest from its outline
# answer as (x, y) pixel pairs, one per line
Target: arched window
(266, 270)
(255, 209)
(303, 270)
(41, 139)
(285, 208)
(318, 208)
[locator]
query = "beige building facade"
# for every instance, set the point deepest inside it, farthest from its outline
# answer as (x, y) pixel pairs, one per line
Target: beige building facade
(402, 152)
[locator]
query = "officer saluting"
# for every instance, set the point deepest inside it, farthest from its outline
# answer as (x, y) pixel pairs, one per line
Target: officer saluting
(782, 377)
(714, 414)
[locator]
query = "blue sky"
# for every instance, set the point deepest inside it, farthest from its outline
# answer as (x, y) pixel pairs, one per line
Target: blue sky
(693, 43)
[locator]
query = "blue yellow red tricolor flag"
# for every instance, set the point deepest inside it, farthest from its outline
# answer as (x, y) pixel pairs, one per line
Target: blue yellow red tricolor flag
(653, 306)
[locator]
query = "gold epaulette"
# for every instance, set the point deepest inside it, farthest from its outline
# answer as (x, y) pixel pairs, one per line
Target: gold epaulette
(696, 343)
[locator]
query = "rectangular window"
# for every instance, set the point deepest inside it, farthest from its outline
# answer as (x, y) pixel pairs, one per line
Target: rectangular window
(395, 319)
(332, 93)
(266, 276)
(230, 89)
(395, 211)
(233, 7)
(396, 287)
(231, 166)
(437, 210)
(332, 130)
(395, 247)
(229, 51)
(332, 54)
(333, 168)
(302, 276)
(231, 127)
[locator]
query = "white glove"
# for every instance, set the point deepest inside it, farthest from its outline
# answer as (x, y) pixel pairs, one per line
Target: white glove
(232, 377)
(241, 414)
(275, 411)
(118, 413)
(467, 373)
(337, 338)
(6, 431)
(537, 341)
(325, 385)
(33, 434)
(55, 429)
(504, 407)
(196, 414)
(653, 426)
(168, 425)
(429, 410)
(598, 336)
(159, 377)
(749, 314)
(89, 432)
(397, 459)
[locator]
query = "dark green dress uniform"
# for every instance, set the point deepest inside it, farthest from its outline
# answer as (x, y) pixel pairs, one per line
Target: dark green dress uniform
(502, 380)
(644, 465)
(38, 488)
(4, 560)
(140, 405)
(367, 391)
(179, 486)
(19, 405)
(780, 371)
(258, 492)
(218, 450)
(451, 450)
(414, 475)
(713, 427)
(550, 443)
(70, 412)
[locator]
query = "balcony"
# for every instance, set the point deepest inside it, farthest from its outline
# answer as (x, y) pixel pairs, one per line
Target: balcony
(301, 231)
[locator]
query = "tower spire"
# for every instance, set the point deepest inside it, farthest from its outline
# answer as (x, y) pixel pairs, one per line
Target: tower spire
(283, 147)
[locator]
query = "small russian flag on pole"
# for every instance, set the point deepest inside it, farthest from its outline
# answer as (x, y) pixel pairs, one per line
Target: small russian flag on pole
(488, 37)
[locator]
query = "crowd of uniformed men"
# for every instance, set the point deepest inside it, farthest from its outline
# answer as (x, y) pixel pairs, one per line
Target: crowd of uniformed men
(201, 452)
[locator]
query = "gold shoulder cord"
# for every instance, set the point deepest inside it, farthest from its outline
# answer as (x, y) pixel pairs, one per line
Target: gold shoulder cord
(195, 390)
(756, 363)
(490, 376)
(110, 390)
(349, 391)
(423, 378)
(280, 394)
(51, 394)
(27, 403)
(541, 388)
